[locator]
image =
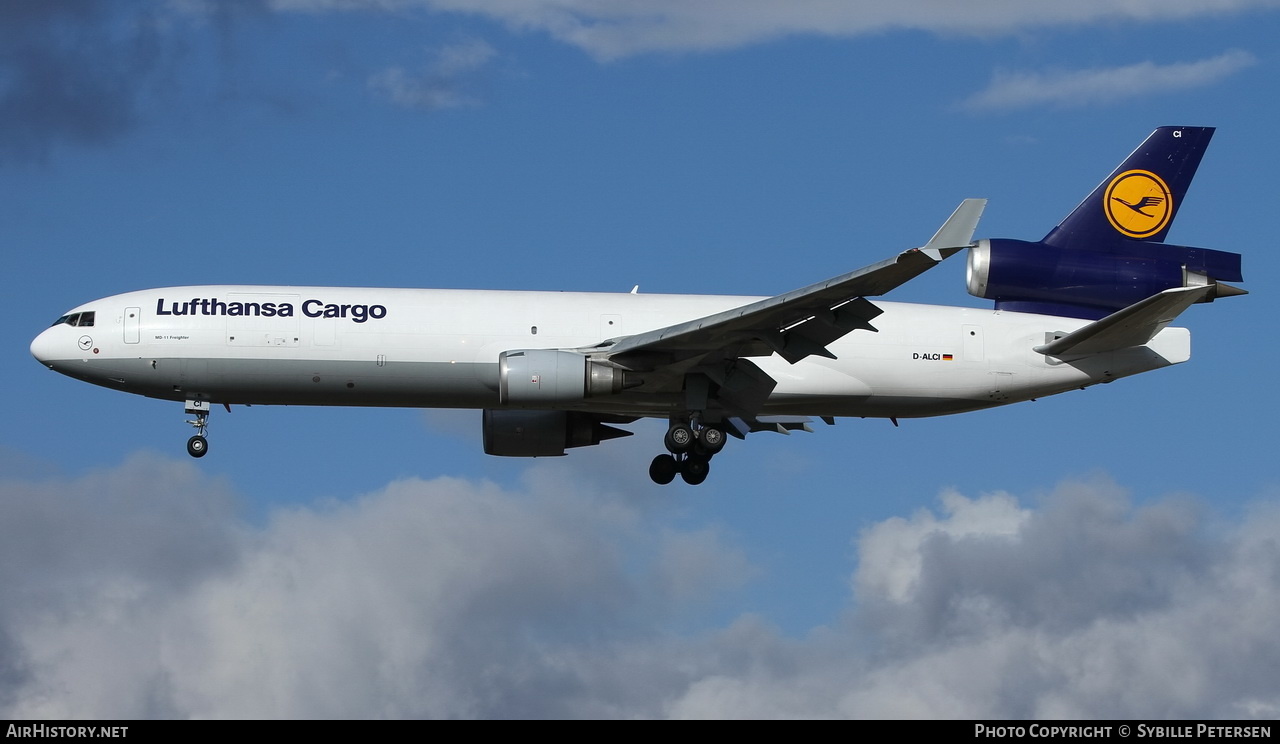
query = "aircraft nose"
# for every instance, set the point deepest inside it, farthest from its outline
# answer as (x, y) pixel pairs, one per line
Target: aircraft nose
(42, 347)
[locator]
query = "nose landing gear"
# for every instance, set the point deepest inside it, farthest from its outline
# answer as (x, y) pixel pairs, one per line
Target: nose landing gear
(198, 446)
(692, 447)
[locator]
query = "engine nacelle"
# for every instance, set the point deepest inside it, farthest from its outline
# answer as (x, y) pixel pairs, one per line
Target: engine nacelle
(543, 377)
(520, 433)
(1038, 277)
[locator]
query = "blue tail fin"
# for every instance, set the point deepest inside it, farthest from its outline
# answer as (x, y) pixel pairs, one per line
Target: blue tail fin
(1140, 199)
(1109, 252)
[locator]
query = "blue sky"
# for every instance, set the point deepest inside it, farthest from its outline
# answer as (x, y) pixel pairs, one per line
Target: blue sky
(1107, 553)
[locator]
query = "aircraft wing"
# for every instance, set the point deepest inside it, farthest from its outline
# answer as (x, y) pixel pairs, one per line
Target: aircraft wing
(802, 322)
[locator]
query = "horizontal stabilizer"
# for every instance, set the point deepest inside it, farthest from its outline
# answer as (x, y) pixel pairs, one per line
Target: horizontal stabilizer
(1133, 326)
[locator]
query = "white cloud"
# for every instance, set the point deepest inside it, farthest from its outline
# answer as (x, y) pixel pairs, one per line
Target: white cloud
(892, 562)
(443, 82)
(626, 27)
(135, 592)
(1072, 88)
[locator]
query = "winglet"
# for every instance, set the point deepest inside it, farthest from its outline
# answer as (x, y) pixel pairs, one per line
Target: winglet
(957, 232)
(1133, 326)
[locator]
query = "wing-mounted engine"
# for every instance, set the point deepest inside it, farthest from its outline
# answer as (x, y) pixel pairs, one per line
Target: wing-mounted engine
(517, 433)
(545, 377)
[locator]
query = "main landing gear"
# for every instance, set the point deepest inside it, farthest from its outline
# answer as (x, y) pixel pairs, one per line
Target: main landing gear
(197, 446)
(691, 446)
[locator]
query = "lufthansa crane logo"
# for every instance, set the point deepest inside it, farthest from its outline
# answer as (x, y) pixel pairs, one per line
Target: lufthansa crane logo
(1138, 203)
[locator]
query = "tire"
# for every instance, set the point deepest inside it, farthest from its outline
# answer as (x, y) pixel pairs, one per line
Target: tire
(711, 439)
(197, 446)
(663, 469)
(679, 438)
(694, 470)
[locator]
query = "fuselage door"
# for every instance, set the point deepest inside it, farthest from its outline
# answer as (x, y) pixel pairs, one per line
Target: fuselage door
(132, 316)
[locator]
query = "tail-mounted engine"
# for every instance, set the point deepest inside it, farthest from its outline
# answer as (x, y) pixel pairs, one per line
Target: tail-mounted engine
(1023, 276)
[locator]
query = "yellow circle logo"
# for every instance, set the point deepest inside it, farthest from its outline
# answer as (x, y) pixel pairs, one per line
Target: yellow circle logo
(1138, 203)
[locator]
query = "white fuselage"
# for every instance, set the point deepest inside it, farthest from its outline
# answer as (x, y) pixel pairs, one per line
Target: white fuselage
(439, 348)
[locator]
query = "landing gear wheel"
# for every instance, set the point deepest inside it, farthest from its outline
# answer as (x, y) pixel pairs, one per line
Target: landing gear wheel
(711, 439)
(197, 446)
(679, 437)
(663, 469)
(694, 470)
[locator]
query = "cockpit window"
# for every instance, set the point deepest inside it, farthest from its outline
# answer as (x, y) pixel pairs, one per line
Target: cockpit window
(82, 320)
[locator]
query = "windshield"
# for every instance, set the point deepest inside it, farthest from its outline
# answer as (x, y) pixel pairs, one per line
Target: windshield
(80, 320)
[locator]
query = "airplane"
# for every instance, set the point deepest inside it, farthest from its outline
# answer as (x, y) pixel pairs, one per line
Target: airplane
(1089, 303)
